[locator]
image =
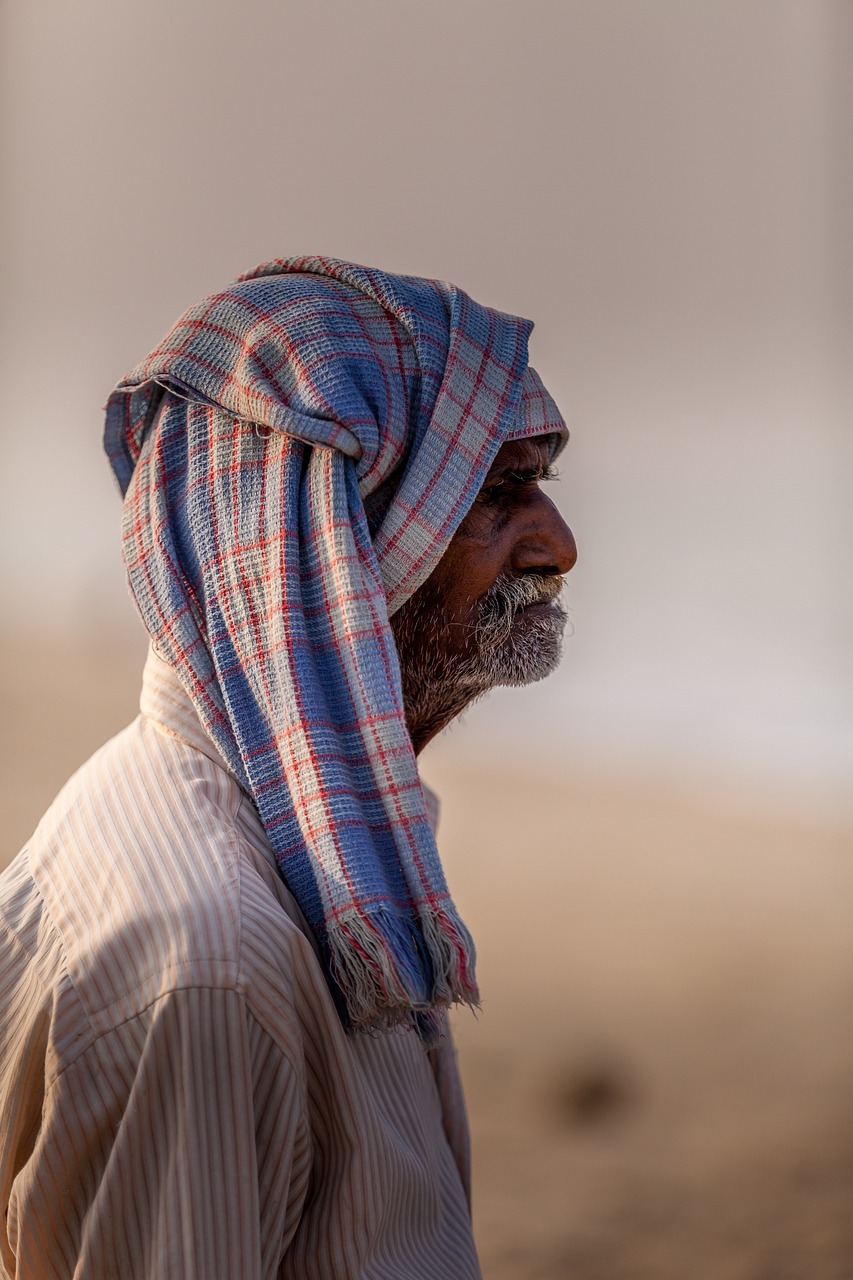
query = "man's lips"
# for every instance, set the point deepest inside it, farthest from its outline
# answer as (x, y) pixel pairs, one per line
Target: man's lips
(546, 605)
(532, 597)
(547, 599)
(540, 607)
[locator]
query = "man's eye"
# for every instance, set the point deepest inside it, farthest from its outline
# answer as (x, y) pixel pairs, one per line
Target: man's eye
(489, 492)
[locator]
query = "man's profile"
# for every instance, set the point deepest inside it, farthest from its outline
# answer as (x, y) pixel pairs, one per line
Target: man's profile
(227, 952)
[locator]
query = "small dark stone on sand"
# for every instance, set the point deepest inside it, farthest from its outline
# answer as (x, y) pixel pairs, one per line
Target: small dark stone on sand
(587, 1094)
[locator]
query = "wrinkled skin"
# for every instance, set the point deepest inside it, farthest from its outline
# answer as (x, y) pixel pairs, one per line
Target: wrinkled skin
(488, 614)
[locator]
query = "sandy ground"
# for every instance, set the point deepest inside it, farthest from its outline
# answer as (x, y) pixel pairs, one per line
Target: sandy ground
(661, 1077)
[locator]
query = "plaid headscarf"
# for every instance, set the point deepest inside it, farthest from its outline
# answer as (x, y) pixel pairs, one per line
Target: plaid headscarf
(295, 456)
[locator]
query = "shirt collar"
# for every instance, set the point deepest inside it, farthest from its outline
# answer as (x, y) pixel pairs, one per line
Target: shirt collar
(165, 700)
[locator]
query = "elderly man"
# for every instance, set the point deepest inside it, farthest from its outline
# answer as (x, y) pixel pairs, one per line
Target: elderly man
(227, 953)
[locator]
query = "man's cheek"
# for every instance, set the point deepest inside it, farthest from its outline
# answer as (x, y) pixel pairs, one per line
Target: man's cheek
(478, 529)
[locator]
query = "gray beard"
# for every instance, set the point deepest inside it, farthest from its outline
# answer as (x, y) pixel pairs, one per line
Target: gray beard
(506, 648)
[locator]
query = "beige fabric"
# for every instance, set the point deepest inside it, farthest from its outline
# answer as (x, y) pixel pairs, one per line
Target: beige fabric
(177, 1096)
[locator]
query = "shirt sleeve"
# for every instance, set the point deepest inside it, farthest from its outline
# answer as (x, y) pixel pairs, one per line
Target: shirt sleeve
(176, 1147)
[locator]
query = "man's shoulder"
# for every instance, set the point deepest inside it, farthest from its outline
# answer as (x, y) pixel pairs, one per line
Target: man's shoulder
(154, 878)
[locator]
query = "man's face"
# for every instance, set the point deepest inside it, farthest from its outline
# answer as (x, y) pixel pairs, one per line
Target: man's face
(488, 614)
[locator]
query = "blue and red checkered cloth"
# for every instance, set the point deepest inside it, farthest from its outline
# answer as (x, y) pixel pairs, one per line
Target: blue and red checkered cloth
(295, 456)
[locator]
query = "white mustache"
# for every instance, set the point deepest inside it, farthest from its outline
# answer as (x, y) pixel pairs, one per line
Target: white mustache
(506, 597)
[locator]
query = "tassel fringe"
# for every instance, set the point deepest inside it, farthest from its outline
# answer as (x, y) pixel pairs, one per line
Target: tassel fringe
(371, 955)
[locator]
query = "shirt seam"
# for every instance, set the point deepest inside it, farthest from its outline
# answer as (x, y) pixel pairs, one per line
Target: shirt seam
(164, 995)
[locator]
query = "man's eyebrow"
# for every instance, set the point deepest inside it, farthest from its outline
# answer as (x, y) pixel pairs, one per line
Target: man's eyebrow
(523, 466)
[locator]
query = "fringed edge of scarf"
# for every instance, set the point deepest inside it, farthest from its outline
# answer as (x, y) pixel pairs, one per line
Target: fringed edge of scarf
(369, 955)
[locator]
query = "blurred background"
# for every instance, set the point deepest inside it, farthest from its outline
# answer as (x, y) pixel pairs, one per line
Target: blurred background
(653, 847)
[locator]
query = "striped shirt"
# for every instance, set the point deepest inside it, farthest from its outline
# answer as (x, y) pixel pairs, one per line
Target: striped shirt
(177, 1096)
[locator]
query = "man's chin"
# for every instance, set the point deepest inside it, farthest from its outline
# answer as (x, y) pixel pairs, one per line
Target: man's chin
(533, 649)
(439, 685)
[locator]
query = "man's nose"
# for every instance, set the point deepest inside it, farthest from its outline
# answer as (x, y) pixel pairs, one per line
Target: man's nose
(547, 545)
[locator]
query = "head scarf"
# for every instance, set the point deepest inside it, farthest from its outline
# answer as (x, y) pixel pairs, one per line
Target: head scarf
(295, 457)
